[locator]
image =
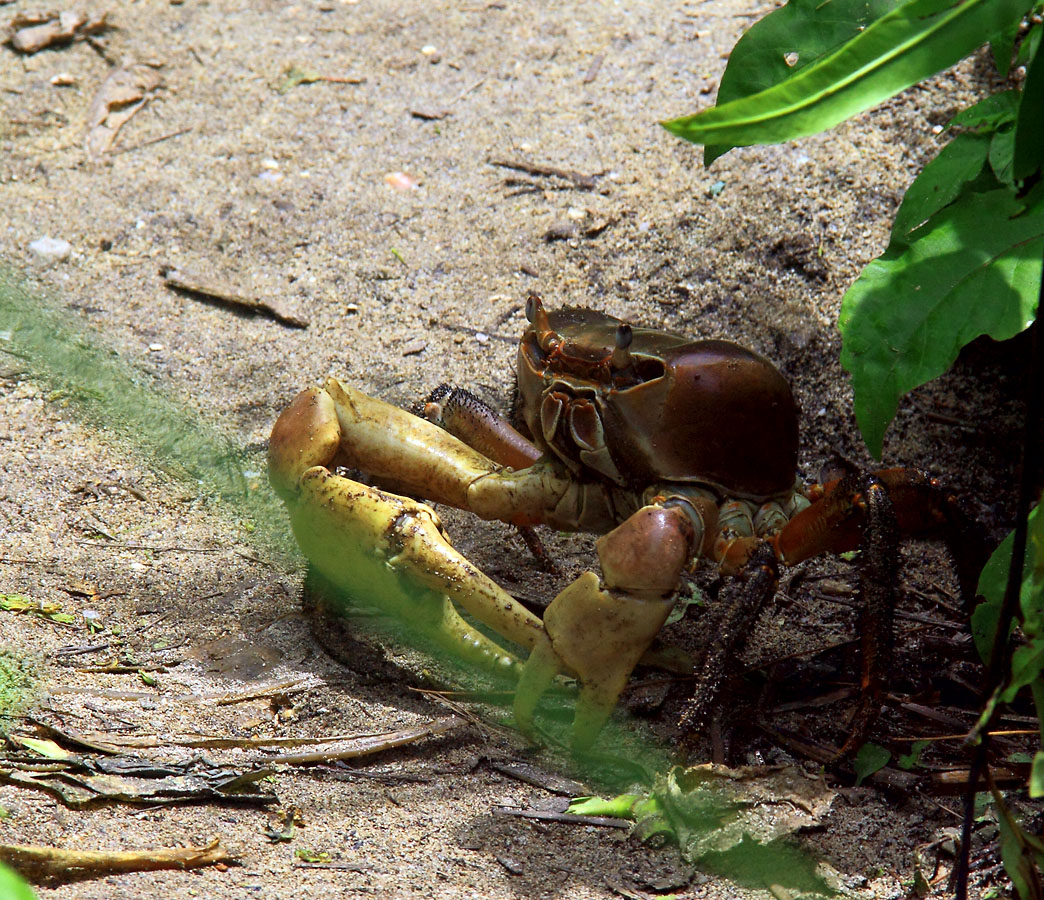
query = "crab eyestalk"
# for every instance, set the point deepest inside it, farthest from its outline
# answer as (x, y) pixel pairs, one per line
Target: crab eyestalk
(621, 358)
(548, 339)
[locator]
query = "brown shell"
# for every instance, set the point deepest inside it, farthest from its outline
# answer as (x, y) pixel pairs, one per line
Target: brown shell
(695, 411)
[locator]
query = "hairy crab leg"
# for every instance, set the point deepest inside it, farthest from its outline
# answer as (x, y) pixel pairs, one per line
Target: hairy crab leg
(870, 511)
(731, 626)
(467, 417)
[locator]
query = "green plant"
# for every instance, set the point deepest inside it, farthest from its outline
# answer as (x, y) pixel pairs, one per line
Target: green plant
(12, 886)
(964, 259)
(965, 253)
(18, 685)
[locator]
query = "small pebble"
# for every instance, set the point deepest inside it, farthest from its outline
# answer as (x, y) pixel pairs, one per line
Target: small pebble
(155, 348)
(63, 79)
(481, 337)
(414, 347)
(400, 181)
(50, 249)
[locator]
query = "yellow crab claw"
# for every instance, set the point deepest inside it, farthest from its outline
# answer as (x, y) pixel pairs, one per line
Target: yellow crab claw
(598, 634)
(389, 551)
(601, 631)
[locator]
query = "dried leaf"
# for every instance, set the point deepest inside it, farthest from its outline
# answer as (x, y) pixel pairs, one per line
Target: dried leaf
(713, 809)
(34, 32)
(295, 75)
(121, 95)
(83, 781)
(48, 749)
(51, 611)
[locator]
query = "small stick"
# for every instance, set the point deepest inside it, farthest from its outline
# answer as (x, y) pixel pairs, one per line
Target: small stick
(467, 91)
(52, 864)
(579, 179)
(367, 746)
(149, 143)
(216, 289)
(601, 821)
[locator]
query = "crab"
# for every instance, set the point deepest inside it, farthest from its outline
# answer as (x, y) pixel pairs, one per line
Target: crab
(673, 450)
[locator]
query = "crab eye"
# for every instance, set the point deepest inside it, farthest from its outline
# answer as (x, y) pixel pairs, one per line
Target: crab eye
(624, 336)
(533, 305)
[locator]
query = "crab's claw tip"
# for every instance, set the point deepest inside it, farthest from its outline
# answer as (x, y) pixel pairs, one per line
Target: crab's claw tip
(306, 434)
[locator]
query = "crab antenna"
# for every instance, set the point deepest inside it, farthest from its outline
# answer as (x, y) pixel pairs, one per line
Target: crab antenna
(621, 358)
(546, 336)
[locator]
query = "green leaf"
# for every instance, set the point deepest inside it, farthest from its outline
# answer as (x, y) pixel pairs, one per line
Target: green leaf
(990, 113)
(1002, 149)
(1016, 855)
(1036, 779)
(897, 50)
(1002, 49)
(45, 748)
(1027, 663)
(913, 758)
(691, 597)
(974, 270)
(787, 40)
(620, 807)
(994, 581)
(870, 758)
(313, 856)
(1029, 126)
(1029, 45)
(12, 887)
(941, 181)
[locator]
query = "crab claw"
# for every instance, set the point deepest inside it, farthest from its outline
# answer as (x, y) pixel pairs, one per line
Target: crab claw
(379, 548)
(600, 629)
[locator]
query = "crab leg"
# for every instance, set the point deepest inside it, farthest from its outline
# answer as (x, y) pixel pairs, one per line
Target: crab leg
(464, 415)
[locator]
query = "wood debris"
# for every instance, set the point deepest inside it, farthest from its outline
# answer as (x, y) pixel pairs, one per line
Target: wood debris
(30, 32)
(579, 180)
(125, 91)
(83, 781)
(216, 288)
(294, 75)
(594, 68)
(51, 864)
(369, 744)
(429, 114)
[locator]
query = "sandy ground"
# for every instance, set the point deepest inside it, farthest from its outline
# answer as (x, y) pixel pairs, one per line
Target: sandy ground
(286, 193)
